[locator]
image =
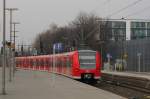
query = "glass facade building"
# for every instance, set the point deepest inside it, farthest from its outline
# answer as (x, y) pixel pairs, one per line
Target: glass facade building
(134, 30)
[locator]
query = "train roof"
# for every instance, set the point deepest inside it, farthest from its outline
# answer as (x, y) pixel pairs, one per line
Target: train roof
(66, 53)
(58, 54)
(86, 51)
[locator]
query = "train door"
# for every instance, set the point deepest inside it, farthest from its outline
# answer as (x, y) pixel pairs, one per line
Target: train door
(47, 63)
(27, 64)
(63, 65)
(36, 63)
(30, 63)
(24, 65)
(16, 62)
(42, 62)
(50, 63)
(68, 65)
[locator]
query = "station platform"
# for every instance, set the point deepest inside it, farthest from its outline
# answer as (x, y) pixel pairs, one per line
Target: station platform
(43, 85)
(145, 75)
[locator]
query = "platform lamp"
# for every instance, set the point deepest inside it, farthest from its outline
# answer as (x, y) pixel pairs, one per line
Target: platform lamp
(4, 49)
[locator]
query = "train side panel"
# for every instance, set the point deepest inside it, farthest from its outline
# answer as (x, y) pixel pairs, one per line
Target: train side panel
(67, 64)
(76, 74)
(98, 66)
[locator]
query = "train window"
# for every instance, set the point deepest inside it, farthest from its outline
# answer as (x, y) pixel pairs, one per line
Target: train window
(41, 62)
(37, 62)
(31, 62)
(46, 63)
(27, 61)
(58, 62)
(87, 59)
(55, 60)
(68, 63)
(17, 62)
(51, 61)
(63, 62)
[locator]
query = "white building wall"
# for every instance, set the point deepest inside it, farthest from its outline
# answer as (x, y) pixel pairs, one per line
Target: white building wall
(128, 30)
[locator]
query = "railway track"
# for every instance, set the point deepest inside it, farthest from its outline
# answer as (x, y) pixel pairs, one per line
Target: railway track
(127, 91)
(140, 84)
(129, 87)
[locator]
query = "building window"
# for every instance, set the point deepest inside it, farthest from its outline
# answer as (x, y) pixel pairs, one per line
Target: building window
(118, 30)
(138, 24)
(148, 29)
(138, 33)
(148, 25)
(148, 32)
(119, 34)
(138, 30)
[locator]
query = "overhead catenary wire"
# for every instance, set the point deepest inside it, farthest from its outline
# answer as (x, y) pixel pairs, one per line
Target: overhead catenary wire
(124, 8)
(138, 12)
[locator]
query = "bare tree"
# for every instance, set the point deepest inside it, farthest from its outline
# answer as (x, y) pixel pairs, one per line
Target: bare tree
(84, 29)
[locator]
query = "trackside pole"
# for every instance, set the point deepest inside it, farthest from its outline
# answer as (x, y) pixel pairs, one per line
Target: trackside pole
(139, 61)
(14, 64)
(53, 70)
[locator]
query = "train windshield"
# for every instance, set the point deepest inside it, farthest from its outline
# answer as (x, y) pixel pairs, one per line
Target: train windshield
(87, 59)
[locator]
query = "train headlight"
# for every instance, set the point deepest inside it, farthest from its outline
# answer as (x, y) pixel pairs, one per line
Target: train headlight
(76, 70)
(88, 76)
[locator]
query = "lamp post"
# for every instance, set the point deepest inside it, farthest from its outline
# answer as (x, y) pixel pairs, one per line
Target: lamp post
(10, 54)
(14, 23)
(4, 47)
(11, 12)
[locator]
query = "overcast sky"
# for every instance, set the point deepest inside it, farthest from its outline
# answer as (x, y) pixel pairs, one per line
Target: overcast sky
(35, 16)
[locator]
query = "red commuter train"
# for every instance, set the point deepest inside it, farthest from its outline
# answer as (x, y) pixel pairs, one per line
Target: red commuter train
(80, 64)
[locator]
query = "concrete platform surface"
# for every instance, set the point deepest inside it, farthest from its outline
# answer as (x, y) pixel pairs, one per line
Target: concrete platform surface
(145, 75)
(43, 85)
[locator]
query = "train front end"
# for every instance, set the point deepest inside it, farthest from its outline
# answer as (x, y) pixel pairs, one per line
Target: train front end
(87, 65)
